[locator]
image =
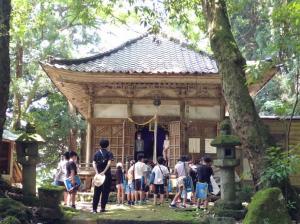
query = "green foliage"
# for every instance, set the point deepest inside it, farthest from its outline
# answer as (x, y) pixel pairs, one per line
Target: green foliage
(10, 220)
(279, 165)
(9, 207)
(246, 193)
(267, 207)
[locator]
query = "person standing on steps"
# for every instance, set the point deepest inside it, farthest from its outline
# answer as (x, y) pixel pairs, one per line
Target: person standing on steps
(139, 147)
(101, 164)
(71, 168)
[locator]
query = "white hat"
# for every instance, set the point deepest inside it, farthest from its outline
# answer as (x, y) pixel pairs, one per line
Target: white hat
(98, 180)
(119, 165)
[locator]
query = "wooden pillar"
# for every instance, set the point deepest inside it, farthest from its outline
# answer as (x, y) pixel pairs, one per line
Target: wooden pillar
(155, 140)
(89, 134)
(183, 127)
(88, 143)
(123, 142)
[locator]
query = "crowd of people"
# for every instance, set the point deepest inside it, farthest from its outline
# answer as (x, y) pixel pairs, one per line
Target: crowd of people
(189, 181)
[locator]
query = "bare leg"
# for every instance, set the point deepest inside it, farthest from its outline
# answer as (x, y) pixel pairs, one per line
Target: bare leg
(141, 195)
(73, 197)
(136, 195)
(178, 194)
(66, 198)
(132, 197)
(154, 199)
(161, 199)
(184, 199)
(122, 195)
(118, 195)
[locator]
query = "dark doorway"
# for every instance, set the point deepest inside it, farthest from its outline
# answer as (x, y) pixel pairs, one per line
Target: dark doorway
(148, 137)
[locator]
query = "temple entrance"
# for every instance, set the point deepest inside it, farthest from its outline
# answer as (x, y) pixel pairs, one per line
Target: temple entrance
(148, 137)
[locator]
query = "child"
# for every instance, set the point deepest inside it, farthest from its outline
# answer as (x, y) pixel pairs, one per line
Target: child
(160, 174)
(204, 172)
(181, 172)
(140, 170)
(130, 185)
(120, 183)
(71, 168)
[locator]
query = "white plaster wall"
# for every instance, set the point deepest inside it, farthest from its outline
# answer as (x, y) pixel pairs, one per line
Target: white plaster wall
(150, 109)
(110, 111)
(204, 113)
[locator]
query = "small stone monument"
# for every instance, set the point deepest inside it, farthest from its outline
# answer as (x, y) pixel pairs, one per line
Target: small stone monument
(28, 155)
(225, 143)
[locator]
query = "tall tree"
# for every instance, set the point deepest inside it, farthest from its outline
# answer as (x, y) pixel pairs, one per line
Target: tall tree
(242, 111)
(5, 9)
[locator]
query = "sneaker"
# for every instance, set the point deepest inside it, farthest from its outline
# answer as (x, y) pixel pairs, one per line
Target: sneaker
(182, 206)
(73, 206)
(94, 211)
(129, 203)
(172, 206)
(132, 203)
(103, 210)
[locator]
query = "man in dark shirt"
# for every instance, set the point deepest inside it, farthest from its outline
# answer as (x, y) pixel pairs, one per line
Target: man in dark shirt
(71, 173)
(204, 172)
(101, 163)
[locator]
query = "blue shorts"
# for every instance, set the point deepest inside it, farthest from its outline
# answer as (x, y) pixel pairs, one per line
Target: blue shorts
(130, 188)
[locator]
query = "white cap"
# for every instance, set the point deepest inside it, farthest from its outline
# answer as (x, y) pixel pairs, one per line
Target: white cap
(119, 165)
(98, 180)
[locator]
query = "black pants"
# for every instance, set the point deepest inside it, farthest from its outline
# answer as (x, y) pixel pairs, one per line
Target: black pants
(136, 155)
(104, 189)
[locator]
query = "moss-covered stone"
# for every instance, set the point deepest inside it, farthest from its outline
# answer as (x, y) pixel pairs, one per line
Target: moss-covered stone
(50, 196)
(226, 140)
(9, 207)
(267, 206)
(10, 220)
(50, 215)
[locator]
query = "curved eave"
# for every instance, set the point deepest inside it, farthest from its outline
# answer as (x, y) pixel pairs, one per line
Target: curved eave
(143, 77)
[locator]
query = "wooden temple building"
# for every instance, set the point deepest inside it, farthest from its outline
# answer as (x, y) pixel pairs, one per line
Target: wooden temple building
(119, 90)
(10, 170)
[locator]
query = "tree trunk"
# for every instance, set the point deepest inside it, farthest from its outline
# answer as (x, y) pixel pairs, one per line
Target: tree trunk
(16, 124)
(243, 115)
(5, 9)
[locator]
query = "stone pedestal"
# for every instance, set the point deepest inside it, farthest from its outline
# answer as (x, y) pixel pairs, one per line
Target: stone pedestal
(29, 179)
(225, 143)
(28, 157)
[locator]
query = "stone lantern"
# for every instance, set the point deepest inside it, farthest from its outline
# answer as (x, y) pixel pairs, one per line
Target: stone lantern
(226, 160)
(28, 155)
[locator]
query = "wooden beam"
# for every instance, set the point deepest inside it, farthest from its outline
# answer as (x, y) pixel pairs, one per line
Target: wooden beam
(89, 135)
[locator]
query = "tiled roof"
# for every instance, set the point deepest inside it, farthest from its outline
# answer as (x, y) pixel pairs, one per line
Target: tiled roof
(146, 54)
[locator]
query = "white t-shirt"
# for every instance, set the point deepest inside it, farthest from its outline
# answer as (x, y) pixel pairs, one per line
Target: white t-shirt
(139, 170)
(182, 169)
(159, 173)
(61, 174)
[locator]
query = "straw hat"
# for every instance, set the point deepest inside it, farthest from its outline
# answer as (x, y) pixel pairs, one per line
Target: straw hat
(98, 180)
